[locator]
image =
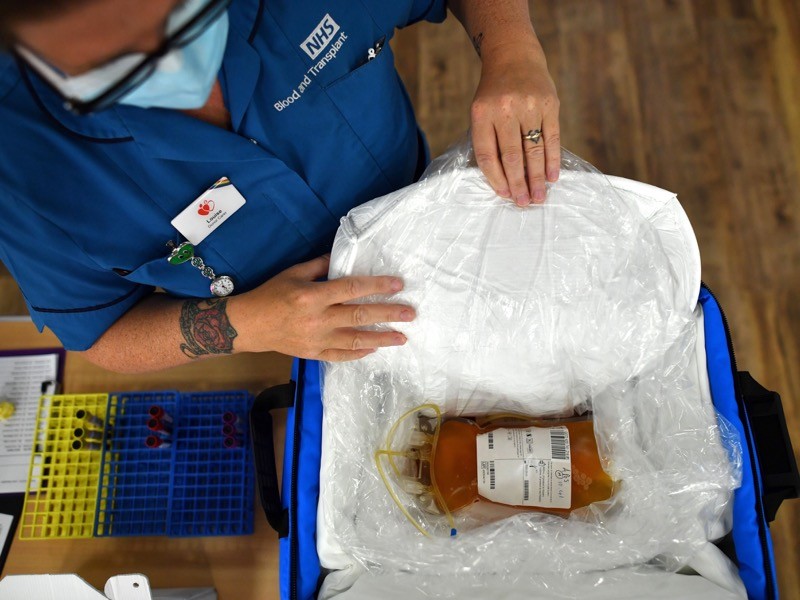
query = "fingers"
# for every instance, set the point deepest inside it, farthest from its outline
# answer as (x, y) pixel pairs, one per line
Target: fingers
(516, 168)
(509, 142)
(313, 269)
(512, 100)
(360, 315)
(357, 339)
(313, 319)
(344, 355)
(346, 289)
(348, 343)
(534, 163)
(552, 144)
(484, 142)
(348, 317)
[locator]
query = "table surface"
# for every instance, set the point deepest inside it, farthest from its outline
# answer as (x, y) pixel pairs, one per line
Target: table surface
(240, 568)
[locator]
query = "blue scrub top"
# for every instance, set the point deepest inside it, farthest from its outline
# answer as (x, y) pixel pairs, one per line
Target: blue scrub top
(86, 202)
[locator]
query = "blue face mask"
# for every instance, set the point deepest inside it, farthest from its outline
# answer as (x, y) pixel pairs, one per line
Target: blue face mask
(185, 76)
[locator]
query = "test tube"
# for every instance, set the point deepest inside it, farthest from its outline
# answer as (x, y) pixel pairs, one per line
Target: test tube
(159, 426)
(230, 418)
(229, 430)
(84, 415)
(231, 442)
(153, 441)
(158, 412)
(87, 434)
(85, 445)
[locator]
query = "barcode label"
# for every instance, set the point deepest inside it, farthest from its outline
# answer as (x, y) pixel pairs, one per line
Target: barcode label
(558, 443)
(525, 466)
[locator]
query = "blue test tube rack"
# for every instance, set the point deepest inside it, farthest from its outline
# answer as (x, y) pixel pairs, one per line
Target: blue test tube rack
(191, 486)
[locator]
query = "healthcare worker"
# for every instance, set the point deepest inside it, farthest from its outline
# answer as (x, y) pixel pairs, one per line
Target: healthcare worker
(206, 148)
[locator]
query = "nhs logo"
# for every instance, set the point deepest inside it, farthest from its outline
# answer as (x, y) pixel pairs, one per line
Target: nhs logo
(319, 39)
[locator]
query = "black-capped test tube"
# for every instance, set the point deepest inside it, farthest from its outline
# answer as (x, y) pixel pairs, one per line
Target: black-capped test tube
(87, 434)
(93, 420)
(85, 445)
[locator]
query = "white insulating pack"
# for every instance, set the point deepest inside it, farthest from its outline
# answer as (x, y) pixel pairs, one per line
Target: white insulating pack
(587, 302)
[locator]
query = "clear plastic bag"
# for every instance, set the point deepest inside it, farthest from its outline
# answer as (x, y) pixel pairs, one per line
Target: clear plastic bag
(544, 311)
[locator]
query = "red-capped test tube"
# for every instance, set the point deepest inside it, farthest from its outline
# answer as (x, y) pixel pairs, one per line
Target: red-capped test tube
(231, 442)
(230, 418)
(158, 412)
(153, 441)
(159, 426)
(229, 430)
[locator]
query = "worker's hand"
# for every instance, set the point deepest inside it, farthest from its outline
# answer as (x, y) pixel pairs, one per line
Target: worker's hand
(516, 95)
(296, 315)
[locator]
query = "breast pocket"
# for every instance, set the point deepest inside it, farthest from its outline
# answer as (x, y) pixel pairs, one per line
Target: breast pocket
(182, 281)
(274, 230)
(261, 239)
(372, 99)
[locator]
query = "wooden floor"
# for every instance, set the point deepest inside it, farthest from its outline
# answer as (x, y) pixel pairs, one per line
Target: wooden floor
(701, 98)
(11, 301)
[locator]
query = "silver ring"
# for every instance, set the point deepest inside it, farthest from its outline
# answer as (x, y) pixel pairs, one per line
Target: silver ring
(533, 136)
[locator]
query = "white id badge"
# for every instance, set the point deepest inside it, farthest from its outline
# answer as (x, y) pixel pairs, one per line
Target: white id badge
(210, 210)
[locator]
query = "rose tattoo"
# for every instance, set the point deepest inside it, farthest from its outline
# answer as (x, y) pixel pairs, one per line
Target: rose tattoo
(206, 328)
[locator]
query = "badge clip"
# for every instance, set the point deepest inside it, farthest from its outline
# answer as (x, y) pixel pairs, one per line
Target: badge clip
(221, 285)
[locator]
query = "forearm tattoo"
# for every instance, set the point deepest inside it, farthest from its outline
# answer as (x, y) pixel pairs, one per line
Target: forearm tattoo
(206, 328)
(477, 40)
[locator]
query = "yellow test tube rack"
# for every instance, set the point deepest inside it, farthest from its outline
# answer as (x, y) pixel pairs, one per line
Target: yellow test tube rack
(61, 495)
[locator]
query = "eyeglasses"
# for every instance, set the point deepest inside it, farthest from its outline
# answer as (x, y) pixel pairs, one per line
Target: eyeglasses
(110, 82)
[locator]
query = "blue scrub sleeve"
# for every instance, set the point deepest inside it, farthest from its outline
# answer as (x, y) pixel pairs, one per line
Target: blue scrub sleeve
(402, 14)
(434, 11)
(64, 288)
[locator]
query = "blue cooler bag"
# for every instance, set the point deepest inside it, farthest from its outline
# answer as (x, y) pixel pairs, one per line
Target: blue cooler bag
(769, 475)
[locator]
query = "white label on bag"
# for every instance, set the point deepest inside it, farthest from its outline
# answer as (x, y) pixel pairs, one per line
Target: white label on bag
(526, 467)
(210, 210)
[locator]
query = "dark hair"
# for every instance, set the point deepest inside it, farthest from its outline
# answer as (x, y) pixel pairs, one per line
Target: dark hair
(15, 11)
